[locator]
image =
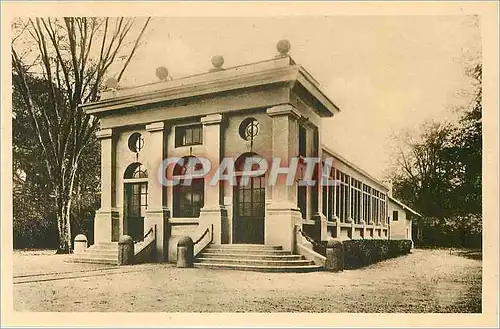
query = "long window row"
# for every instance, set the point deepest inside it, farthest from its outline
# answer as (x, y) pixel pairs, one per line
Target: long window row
(350, 198)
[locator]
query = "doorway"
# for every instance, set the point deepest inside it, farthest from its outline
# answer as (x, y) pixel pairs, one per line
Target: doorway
(136, 200)
(249, 210)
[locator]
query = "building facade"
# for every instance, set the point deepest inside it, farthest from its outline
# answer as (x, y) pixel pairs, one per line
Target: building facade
(266, 110)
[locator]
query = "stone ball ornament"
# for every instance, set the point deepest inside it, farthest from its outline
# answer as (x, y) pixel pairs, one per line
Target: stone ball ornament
(111, 83)
(162, 73)
(283, 47)
(218, 61)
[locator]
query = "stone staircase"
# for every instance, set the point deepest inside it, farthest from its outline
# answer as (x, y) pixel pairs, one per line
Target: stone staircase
(252, 257)
(102, 253)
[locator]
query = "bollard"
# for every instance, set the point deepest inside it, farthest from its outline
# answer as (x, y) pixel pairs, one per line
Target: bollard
(80, 244)
(334, 255)
(125, 250)
(185, 252)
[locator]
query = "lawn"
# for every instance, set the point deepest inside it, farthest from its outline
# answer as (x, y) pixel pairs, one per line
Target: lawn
(424, 281)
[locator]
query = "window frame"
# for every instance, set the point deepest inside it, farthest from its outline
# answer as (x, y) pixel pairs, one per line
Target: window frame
(179, 138)
(197, 186)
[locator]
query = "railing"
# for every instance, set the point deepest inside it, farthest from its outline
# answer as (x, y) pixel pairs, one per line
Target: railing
(315, 243)
(144, 250)
(148, 233)
(198, 247)
(202, 236)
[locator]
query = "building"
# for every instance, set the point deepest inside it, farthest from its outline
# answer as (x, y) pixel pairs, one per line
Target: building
(269, 109)
(401, 219)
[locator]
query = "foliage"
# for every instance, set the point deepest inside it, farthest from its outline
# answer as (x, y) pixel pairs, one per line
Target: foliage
(71, 57)
(439, 174)
(363, 252)
(33, 213)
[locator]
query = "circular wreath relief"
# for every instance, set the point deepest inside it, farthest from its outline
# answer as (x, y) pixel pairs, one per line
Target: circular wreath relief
(249, 129)
(135, 142)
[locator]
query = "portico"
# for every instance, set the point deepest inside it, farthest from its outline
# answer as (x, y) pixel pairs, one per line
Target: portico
(270, 109)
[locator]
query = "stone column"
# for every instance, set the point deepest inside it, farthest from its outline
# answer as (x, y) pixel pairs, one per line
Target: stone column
(156, 213)
(319, 218)
(106, 221)
(283, 216)
(211, 214)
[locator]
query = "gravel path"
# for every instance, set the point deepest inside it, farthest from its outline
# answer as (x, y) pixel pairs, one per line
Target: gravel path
(424, 281)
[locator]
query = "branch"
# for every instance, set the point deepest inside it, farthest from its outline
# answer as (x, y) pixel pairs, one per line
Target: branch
(133, 49)
(20, 80)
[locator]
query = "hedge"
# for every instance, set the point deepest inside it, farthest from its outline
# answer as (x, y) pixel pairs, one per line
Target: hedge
(359, 253)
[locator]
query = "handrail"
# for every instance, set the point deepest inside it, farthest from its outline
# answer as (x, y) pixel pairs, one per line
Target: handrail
(202, 236)
(311, 240)
(148, 233)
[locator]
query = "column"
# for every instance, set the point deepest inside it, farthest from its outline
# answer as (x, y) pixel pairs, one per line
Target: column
(319, 219)
(282, 213)
(210, 214)
(106, 221)
(156, 214)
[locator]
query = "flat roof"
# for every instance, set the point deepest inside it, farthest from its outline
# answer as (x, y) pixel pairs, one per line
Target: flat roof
(277, 70)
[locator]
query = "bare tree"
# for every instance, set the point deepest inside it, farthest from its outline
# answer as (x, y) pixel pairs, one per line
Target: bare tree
(73, 56)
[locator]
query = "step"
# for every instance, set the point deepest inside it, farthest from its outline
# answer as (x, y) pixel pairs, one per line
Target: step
(259, 268)
(209, 254)
(106, 244)
(100, 247)
(74, 259)
(254, 262)
(248, 251)
(97, 255)
(245, 246)
(101, 252)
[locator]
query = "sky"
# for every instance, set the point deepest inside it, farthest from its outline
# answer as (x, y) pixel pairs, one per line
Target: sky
(387, 74)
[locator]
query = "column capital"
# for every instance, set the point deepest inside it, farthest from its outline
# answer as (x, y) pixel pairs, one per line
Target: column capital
(104, 133)
(155, 126)
(284, 109)
(212, 119)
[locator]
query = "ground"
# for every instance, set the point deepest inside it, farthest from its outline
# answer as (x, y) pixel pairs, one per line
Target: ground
(424, 281)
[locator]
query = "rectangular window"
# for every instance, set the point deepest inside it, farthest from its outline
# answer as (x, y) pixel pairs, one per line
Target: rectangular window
(330, 203)
(367, 204)
(325, 200)
(383, 216)
(188, 200)
(355, 200)
(346, 195)
(139, 200)
(302, 141)
(188, 135)
(342, 195)
(395, 215)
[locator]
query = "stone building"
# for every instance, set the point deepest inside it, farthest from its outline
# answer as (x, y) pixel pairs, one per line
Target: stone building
(269, 109)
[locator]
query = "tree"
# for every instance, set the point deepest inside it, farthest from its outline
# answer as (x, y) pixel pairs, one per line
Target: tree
(467, 149)
(72, 56)
(439, 173)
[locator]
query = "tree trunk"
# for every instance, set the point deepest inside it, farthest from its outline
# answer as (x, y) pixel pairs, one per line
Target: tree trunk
(63, 204)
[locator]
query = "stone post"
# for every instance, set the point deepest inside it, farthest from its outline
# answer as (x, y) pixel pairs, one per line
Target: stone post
(125, 250)
(106, 222)
(80, 244)
(185, 252)
(211, 214)
(334, 255)
(156, 214)
(282, 213)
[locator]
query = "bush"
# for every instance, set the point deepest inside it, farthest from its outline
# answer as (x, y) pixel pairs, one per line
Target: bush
(359, 253)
